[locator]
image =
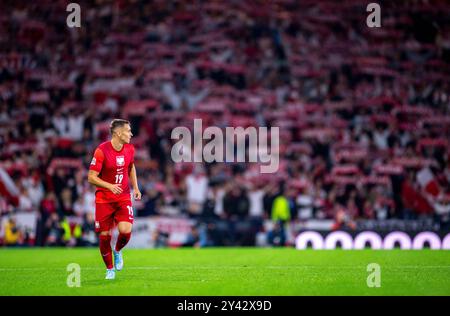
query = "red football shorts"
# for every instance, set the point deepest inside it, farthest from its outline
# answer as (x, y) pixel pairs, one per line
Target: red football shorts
(108, 215)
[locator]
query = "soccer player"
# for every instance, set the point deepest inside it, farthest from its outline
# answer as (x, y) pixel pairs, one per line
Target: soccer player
(110, 169)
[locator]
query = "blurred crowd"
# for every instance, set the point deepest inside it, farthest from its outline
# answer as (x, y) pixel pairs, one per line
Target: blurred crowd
(364, 113)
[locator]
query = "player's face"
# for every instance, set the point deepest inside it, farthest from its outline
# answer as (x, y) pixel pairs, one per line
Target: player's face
(125, 134)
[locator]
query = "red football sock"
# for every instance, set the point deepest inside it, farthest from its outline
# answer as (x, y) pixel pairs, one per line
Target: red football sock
(122, 240)
(105, 250)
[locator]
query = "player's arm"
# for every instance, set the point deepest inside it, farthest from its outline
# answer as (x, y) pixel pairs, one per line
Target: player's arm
(94, 179)
(94, 170)
(134, 183)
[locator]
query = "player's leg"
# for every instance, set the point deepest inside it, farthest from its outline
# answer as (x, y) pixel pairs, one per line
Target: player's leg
(124, 218)
(124, 235)
(105, 250)
(122, 240)
(103, 226)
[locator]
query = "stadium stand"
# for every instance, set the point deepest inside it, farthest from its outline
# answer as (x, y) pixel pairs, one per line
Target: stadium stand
(364, 114)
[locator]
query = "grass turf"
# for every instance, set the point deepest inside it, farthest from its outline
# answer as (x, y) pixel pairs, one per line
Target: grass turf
(226, 271)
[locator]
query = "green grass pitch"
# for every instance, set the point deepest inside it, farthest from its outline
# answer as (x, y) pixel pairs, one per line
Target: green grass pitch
(227, 271)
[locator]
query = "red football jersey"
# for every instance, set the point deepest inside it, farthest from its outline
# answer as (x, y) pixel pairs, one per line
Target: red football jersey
(113, 166)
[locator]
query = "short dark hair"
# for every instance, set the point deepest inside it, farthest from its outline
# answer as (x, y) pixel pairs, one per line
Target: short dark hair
(117, 123)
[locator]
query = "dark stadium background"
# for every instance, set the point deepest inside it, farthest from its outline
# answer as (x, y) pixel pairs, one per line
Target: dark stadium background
(363, 115)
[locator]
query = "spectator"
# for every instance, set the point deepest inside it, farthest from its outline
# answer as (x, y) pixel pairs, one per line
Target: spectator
(35, 190)
(53, 231)
(88, 235)
(270, 193)
(159, 239)
(150, 199)
(193, 238)
(305, 202)
(48, 205)
(12, 233)
(277, 235)
(66, 204)
(342, 219)
(25, 203)
(236, 203)
(211, 235)
(196, 186)
(281, 210)
(442, 209)
(236, 206)
(256, 195)
(71, 234)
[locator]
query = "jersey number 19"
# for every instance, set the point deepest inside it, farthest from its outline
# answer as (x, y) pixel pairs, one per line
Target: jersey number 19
(119, 178)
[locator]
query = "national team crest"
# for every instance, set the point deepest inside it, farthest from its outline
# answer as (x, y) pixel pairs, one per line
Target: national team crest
(120, 161)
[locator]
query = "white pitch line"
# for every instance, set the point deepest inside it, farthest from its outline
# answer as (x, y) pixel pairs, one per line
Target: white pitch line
(233, 267)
